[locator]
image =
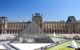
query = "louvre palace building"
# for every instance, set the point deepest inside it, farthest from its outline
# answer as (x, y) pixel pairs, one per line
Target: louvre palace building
(71, 26)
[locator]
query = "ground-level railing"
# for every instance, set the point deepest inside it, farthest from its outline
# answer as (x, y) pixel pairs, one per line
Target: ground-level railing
(52, 45)
(10, 47)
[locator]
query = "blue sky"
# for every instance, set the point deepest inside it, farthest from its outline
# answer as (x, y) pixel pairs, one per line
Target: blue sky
(52, 10)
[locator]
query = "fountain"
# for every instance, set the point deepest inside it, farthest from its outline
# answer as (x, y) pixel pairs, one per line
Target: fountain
(21, 39)
(54, 37)
(74, 45)
(54, 34)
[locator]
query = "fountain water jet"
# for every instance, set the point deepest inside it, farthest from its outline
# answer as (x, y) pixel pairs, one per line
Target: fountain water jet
(74, 45)
(54, 34)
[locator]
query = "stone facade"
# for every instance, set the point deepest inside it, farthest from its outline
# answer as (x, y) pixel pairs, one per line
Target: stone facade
(71, 26)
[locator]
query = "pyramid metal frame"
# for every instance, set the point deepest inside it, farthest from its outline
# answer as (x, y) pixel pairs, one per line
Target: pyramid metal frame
(32, 31)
